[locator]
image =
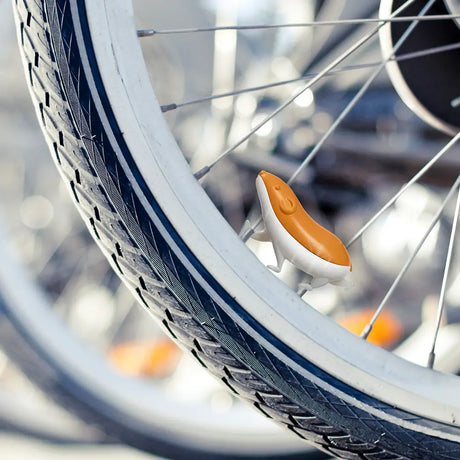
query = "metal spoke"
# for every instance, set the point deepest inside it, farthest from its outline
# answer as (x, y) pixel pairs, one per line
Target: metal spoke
(357, 96)
(414, 179)
(367, 330)
(401, 57)
(338, 22)
(441, 303)
(173, 105)
(203, 171)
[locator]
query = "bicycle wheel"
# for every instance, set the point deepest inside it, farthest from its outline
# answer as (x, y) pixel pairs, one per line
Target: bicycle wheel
(184, 263)
(61, 271)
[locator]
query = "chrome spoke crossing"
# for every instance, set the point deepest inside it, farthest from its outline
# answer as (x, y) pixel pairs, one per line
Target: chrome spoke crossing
(414, 179)
(367, 330)
(249, 231)
(203, 171)
(358, 95)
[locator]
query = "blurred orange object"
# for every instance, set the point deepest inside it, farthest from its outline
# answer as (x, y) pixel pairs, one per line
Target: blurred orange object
(154, 358)
(387, 329)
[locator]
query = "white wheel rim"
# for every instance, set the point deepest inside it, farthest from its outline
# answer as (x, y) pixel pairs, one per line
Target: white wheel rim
(363, 366)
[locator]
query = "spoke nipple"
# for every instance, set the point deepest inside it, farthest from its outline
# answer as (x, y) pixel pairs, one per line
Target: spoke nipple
(247, 234)
(146, 32)
(431, 358)
(202, 172)
(367, 330)
(168, 107)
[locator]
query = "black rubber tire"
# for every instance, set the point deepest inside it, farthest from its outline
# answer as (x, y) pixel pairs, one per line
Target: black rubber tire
(160, 273)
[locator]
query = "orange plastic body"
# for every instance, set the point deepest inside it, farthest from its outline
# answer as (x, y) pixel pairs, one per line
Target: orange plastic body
(300, 225)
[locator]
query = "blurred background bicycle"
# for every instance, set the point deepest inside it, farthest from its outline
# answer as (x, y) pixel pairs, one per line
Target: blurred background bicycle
(79, 289)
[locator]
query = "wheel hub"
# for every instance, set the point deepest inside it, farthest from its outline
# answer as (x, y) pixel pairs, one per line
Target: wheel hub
(428, 84)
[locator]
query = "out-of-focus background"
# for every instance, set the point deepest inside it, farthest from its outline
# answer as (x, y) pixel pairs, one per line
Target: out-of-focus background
(52, 269)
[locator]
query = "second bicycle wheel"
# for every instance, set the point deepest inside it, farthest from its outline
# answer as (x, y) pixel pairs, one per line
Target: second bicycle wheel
(183, 261)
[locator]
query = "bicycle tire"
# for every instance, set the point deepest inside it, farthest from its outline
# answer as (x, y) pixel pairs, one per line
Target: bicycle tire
(146, 250)
(165, 430)
(100, 420)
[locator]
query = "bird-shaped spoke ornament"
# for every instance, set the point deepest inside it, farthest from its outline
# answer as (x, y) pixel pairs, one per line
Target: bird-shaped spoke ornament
(297, 237)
